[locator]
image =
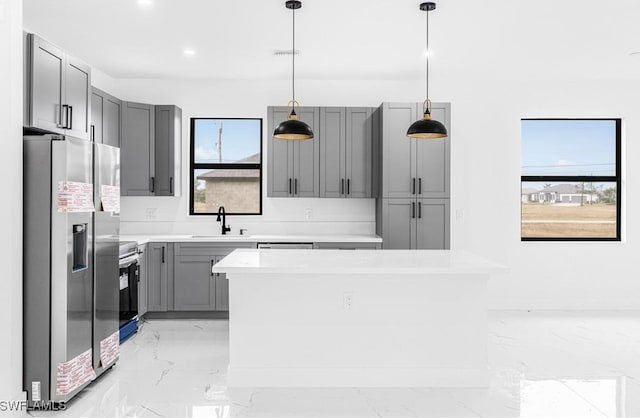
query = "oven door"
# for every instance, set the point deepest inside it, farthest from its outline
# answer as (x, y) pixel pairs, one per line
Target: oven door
(129, 273)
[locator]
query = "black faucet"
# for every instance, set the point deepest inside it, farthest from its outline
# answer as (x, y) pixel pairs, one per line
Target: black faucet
(225, 228)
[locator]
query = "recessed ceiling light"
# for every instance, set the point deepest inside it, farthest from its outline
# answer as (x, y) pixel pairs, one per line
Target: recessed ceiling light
(189, 52)
(145, 3)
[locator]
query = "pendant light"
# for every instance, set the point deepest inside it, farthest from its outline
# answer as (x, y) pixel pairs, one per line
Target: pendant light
(292, 128)
(427, 128)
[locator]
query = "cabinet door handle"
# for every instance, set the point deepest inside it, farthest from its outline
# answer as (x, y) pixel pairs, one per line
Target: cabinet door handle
(413, 210)
(413, 186)
(348, 186)
(70, 118)
(295, 186)
(163, 254)
(419, 185)
(289, 186)
(171, 185)
(93, 133)
(342, 186)
(212, 263)
(64, 110)
(153, 184)
(419, 210)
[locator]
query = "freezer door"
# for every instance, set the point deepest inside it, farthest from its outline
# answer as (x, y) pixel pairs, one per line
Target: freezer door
(71, 266)
(107, 230)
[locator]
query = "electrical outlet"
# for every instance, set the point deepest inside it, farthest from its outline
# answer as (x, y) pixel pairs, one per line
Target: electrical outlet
(152, 213)
(347, 300)
(307, 214)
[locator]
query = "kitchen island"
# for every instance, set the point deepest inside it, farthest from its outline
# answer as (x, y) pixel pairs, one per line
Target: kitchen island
(366, 318)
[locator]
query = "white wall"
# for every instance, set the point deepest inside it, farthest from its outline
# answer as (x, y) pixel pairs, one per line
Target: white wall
(11, 210)
(485, 181)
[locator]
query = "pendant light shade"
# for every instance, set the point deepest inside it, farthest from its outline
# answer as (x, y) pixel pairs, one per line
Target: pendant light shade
(427, 128)
(293, 128)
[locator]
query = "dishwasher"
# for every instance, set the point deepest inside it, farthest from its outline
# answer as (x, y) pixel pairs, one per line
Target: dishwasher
(286, 245)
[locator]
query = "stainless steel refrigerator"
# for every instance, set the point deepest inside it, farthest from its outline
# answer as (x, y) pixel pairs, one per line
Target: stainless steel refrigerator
(68, 304)
(106, 230)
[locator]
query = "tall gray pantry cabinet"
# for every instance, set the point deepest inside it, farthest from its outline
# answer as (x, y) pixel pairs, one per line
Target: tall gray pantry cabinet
(412, 209)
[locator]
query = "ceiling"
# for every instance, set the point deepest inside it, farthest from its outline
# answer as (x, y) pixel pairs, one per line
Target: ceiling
(345, 39)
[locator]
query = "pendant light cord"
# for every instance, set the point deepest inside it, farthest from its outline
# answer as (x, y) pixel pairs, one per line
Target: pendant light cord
(293, 58)
(427, 57)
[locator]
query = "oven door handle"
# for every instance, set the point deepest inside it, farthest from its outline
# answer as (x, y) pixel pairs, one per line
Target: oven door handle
(129, 260)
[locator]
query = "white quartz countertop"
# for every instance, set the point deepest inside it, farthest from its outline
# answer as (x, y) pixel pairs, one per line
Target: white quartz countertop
(249, 261)
(306, 238)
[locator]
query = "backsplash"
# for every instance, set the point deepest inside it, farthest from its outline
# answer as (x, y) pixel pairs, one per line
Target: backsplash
(169, 215)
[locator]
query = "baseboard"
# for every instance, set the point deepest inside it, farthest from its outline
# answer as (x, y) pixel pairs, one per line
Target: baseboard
(187, 315)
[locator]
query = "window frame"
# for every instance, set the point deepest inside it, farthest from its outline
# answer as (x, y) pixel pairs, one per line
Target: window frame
(617, 179)
(193, 166)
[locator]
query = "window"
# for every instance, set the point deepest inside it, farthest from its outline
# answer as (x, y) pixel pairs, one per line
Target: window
(226, 166)
(570, 179)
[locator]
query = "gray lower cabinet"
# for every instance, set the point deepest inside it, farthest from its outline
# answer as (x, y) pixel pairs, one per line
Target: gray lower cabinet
(415, 224)
(222, 289)
(195, 286)
(57, 90)
(150, 147)
(106, 113)
(143, 305)
(346, 151)
(293, 166)
(159, 276)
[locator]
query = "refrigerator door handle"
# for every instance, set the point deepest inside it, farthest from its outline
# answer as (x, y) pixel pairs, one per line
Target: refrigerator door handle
(70, 118)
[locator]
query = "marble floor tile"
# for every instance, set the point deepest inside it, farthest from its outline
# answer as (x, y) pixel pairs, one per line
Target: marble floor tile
(542, 364)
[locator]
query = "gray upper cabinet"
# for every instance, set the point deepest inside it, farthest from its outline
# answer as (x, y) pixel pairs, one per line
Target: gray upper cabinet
(412, 211)
(168, 132)
(137, 149)
(106, 113)
(418, 168)
(97, 109)
(345, 152)
(293, 166)
(151, 141)
(57, 90)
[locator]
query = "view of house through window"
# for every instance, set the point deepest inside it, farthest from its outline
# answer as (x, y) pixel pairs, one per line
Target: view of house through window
(226, 166)
(570, 179)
